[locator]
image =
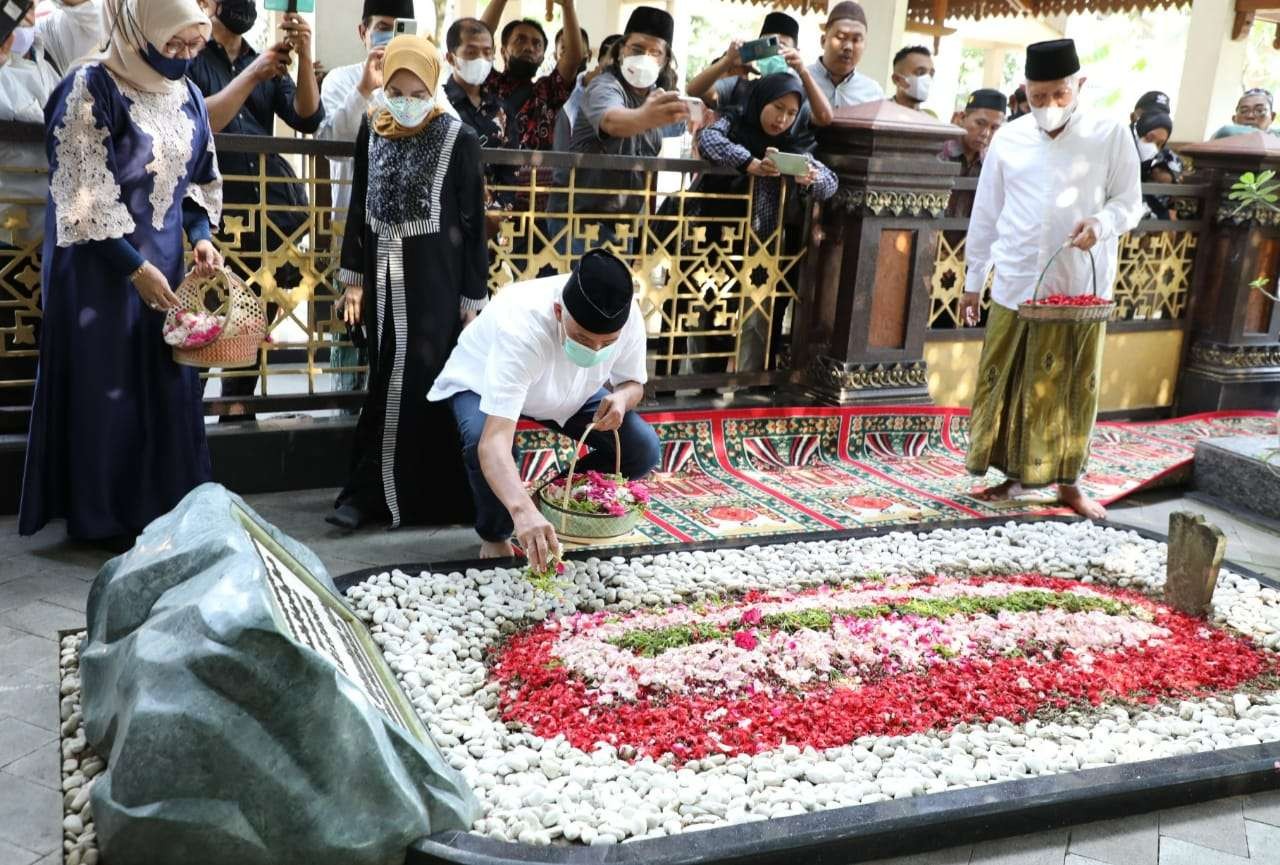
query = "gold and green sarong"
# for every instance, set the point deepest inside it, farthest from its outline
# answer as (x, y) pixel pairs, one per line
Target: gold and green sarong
(1036, 399)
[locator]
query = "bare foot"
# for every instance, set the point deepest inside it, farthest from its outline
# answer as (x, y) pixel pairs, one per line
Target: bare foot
(496, 549)
(1074, 498)
(1008, 490)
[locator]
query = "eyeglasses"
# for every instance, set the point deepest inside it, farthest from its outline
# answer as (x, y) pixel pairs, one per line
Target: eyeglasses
(174, 47)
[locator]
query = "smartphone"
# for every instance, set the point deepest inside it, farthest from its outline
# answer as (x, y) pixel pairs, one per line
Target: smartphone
(795, 164)
(757, 48)
(11, 14)
(405, 26)
(291, 5)
(696, 109)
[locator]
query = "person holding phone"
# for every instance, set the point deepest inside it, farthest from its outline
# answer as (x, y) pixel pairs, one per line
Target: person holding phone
(726, 82)
(627, 111)
(530, 103)
(761, 140)
(246, 92)
(117, 432)
(415, 266)
(34, 56)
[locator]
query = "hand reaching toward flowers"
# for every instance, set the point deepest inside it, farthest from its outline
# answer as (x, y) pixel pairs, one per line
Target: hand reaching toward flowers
(208, 260)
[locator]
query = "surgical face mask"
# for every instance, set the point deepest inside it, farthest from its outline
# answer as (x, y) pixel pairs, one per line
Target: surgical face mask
(379, 38)
(1147, 150)
(772, 65)
(475, 72)
(172, 68)
(641, 71)
(918, 86)
(23, 39)
(521, 67)
(238, 17)
(408, 111)
(1051, 118)
(583, 356)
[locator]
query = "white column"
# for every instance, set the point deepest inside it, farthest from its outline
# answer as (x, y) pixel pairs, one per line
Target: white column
(886, 26)
(334, 40)
(680, 40)
(993, 60)
(1211, 72)
(946, 77)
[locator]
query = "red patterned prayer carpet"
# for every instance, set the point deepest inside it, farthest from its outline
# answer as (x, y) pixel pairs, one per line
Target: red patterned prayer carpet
(738, 472)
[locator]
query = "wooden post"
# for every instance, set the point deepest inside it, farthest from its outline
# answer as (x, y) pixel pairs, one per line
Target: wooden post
(861, 338)
(1233, 360)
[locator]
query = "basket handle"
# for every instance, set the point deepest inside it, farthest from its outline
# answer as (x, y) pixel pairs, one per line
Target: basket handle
(573, 464)
(1093, 269)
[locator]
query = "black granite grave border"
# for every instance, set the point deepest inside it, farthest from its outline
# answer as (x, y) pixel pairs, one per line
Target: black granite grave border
(897, 827)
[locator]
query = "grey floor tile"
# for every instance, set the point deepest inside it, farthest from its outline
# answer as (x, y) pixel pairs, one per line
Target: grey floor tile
(8, 635)
(1076, 859)
(30, 698)
(18, 739)
(949, 856)
(42, 618)
(1042, 848)
(11, 855)
(1217, 825)
(42, 766)
(27, 652)
(1264, 842)
(1176, 852)
(37, 586)
(1263, 807)
(30, 815)
(1126, 841)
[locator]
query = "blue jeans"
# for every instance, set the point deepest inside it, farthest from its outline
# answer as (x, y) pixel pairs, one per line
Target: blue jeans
(641, 452)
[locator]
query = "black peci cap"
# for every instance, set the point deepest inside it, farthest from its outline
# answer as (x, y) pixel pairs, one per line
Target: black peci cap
(782, 24)
(652, 22)
(1049, 61)
(986, 98)
(389, 8)
(598, 293)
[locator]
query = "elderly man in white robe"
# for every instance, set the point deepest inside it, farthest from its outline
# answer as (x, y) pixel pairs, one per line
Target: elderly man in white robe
(1058, 188)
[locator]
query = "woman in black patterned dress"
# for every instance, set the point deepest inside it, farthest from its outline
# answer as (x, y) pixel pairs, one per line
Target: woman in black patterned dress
(414, 266)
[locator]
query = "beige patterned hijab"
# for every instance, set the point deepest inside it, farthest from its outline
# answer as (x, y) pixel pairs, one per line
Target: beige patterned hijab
(131, 24)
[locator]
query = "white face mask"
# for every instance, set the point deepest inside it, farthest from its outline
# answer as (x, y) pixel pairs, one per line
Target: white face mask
(641, 71)
(23, 39)
(408, 111)
(1147, 150)
(1051, 118)
(918, 86)
(475, 72)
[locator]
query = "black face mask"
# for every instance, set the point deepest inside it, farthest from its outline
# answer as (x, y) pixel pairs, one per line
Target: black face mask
(522, 68)
(239, 18)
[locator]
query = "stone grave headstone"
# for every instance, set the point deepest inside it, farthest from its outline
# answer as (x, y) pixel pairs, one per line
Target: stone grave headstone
(244, 711)
(1195, 553)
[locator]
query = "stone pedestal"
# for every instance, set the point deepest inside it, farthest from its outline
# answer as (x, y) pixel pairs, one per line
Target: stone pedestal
(1195, 553)
(861, 338)
(1240, 471)
(1233, 361)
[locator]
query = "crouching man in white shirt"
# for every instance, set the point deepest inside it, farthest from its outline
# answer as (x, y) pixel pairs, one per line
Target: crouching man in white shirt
(546, 349)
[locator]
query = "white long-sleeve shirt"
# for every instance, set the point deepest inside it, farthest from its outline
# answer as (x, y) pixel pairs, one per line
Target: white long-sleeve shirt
(1034, 189)
(64, 34)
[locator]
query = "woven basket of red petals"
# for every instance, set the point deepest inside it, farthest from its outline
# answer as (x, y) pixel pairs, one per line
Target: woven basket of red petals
(1060, 308)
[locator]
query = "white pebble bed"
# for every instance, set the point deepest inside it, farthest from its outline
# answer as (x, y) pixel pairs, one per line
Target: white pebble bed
(435, 630)
(80, 766)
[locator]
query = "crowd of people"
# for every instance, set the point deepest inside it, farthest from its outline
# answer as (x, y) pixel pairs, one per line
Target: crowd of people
(117, 433)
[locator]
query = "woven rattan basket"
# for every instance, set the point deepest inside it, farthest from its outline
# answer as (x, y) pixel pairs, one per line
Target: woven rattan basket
(575, 524)
(244, 326)
(1066, 314)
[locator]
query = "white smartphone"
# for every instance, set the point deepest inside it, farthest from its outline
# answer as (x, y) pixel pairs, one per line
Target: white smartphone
(696, 110)
(795, 164)
(405, 27)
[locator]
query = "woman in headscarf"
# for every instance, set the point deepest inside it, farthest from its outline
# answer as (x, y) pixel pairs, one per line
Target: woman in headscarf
(415, 267)
(117, 428)
(742, 139)
(1151, 133)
